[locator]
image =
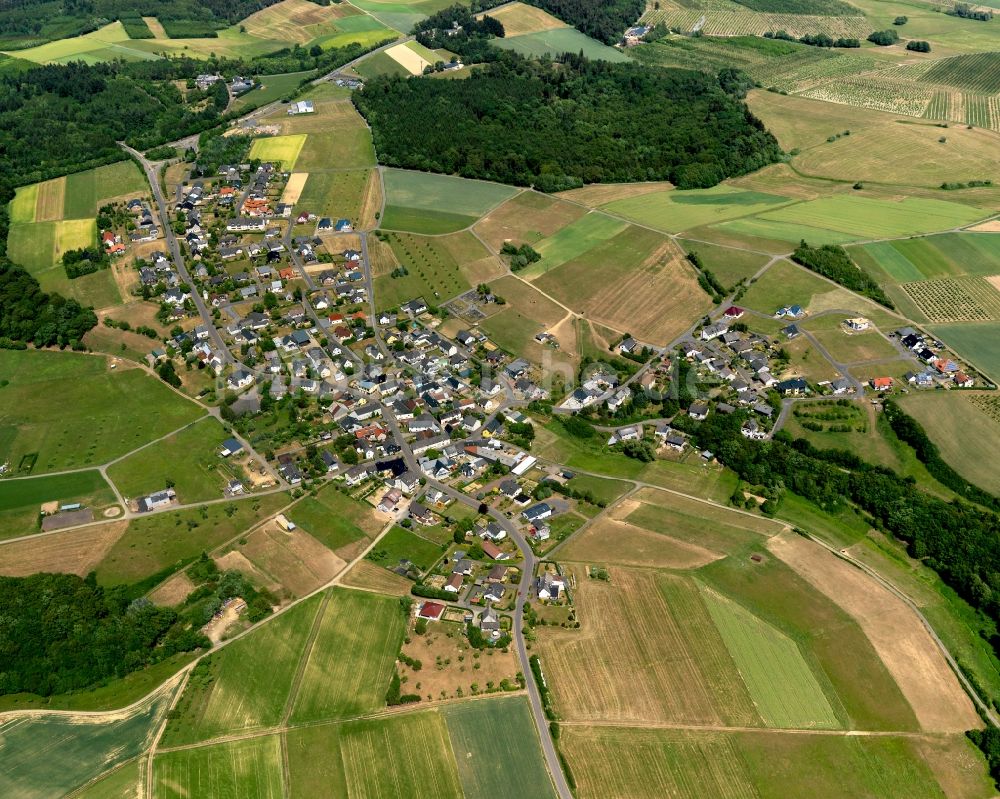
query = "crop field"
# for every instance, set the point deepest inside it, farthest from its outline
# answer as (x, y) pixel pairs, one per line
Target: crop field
(674, 211)
(945, 255)
(781, 285)
(736, 20)
(636, 281)
(401, 14)
(337, 137)
(54, 755)
(111, 412)
(163, 541)
(365, 574)
(660, 621)
(248, 769)
(22, 209)
(297, 21)
(295, 563)
(75, 551)
(730, 266)
(978, 73)
(478, 729)
(283, 150)
(334, 519)
(88, 191)
(248, 682)
(421, 202)
(122, 783)
(518, 19)
(963, 428)
(784, 690)
(645, 764)
(958, 299)
(527, 218)
(20, 500)
(974, 342)
(572, 241)
(434, 266)
(877, 92)
(412, 59)
(361, 29)
(400, 544)
(104, 44)
(336, 194)
(379, 64)
(560, 40)
(349, 666)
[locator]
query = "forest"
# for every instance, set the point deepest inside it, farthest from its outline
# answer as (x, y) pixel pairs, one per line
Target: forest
(529, 123)
(30, 316)
(61, 633)
(604, 20)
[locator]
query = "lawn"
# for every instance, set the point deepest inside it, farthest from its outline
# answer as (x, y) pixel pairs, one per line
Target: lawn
(348, 669)
(784, 284)
(574, 240)
(784, 689)
(556, 41)
(156, 544)
(20, 500)
(55, 755)
(111, 413)
(674, 211)
(334, 519)
(283, 150)
(246, 685)
(189, 459)
(729, 265)
(448, 203)
(433, 265)
(338, 195)
(478, 729)
(975, 342)
(400, 544)
(247, 769)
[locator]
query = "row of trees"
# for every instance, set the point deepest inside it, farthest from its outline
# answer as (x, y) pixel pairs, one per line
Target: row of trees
(832, 261)
(525, 123)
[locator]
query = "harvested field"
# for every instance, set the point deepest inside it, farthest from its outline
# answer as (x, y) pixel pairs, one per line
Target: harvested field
(293, 188)
(407, 58)
(51, 200)
(172, 592)
(600, 194)
(901, 641)
(660, 657)
(527, 218)
(71, 552)
(366, 575)
(298, 561)
(518, 19)
(292, 20)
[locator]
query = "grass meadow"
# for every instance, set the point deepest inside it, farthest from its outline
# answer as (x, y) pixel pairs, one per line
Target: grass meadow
(20, 500)
(248, 769)
(335, 519)
(674, 211)
(556, 41)
(934, 257)
(338, 195)
(572, 241)
(269, 89)
(400, 544)
(784, 284)
(729, 265)
(976, 342)
(421, 202)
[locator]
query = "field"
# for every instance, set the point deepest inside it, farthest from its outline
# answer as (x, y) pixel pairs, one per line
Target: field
(294, 563)
(248, 683)
(556, 41)
(980, 72)
(434, 266)
(850, 347)
(412, 57)
(162, 542)
(338, 195)
(111, 412)
(365, 574)
(478, 729)
(189, 458)
(347, 670)
(380, 64)
(20, 500)
(636, 281)
(334, 519)
(527, 218)
(421, 202)
(122, 783)
(674, 211)
(934, 257)
(336, 135)
(270, 88)
(54, 755)
(248, 769)
(974, 342)
(964, 428)
(401, 14)
(960, 299)
(572, 241)
(104, 44)
(88, 191)
(728, 265)
(71, 551)
(399, 544)
(519, 19)
(784, 284)
(283, 150)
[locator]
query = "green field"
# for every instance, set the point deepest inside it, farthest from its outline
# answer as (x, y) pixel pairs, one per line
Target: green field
(105, 44)
(433, 264)
(122, 783)
(558, 41)
(934, 257)
(338, 195)
(20, 500)
(479, 730)
(781, 285)
(54, 755)
(402, 15)
(337, 136)
(603, 489)
(783, 688)
(22, 208)
(158, 543)
(349, 666)
(573, 241)
(247, 769)
(189, 459)
(421, 202)
(334, 519)
(728, 265)
(380, 64)
(399, 544)
(111, 413)
(87, 191)
(975, 342)
(283, 150)
(269, 89)
(674, 211)
(770, 230)
(245, 686)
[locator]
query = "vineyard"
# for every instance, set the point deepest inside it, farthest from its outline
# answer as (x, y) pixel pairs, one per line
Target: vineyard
(979, 72)
(961, 299)
(876, 92)
(751, 23)
(990, 405)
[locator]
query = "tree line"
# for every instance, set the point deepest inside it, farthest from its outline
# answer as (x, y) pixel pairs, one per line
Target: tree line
(832, 261)
(557, 127)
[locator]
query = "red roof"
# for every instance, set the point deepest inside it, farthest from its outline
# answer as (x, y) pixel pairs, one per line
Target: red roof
(732, 310)
(286, 274)
(108, 235)
(492, 549)
(882, 382)
(431, 610)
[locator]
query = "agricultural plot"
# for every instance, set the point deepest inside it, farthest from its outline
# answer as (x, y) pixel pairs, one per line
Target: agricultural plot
(338, 195)
(20, 500)
(269, 89)
(283, 150)
(674, 211)
(433, 268)
(977, 73)
(87, 191)
(519, 19)
(379, 64)
(336, 136)
(478, 729)
(781, 285)
(421, 202)
(72, 551)
(572, 241)
(365, 574)
(401, 15)
(945, 255)
(248, 769)
(736, 20)
(55, 755)
(527, 218)
(360, 29)
(976, 343)
(294, 563)
(122, 783)
(556, 41)
(636, 281)
(246, 685)
(298, 21)
(877, 92)
(729, 265)
(105, 44)
(111, 412)
(958, 299)
(400, 544)
(334, 519)
(414, 59)
(349, 666)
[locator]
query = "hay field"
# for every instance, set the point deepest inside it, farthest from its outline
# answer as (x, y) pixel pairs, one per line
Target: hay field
(246, 685)
(296, 21)
(518, 19)
(572, 241)
(729, 265)
(293, 188)
(72, 552)
(421, 202)
(365, 574)
(51, 200)
(527, 218)
(976, 342)
(249, 769)
(283, 150)
(901, 641)
(661, 657)
(296, 560)
(348, 668)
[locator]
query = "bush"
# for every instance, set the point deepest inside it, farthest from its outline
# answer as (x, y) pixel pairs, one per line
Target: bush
(918, 46)
(883, 38)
